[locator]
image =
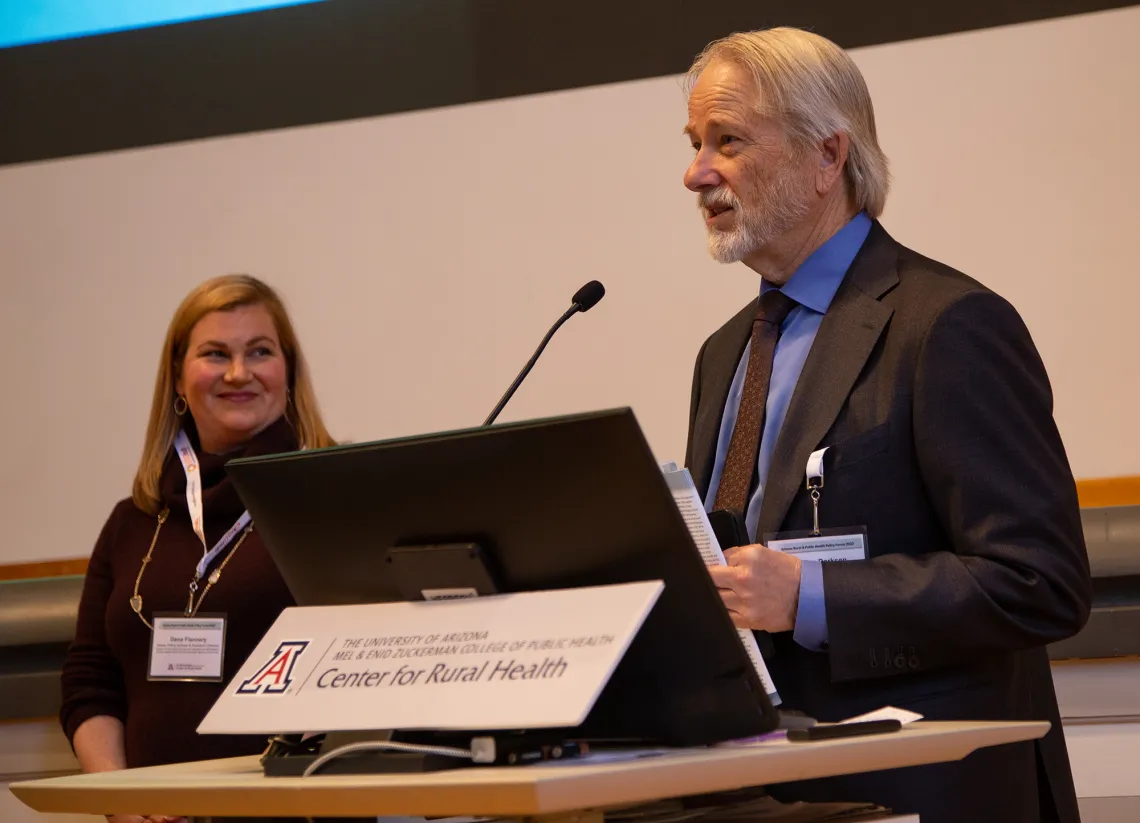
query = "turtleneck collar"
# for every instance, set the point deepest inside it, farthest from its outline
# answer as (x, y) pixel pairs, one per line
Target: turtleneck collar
(221, 505)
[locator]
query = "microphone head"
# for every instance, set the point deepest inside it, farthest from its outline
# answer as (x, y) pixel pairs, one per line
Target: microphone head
(588, 296)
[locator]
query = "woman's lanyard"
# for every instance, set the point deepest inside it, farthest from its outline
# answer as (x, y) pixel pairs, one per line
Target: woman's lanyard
(244, 525)
(194, 504)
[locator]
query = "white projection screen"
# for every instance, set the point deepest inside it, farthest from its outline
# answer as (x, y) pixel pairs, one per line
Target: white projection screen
(424, 254)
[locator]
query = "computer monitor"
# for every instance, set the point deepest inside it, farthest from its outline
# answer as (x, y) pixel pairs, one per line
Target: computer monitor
(535, 505)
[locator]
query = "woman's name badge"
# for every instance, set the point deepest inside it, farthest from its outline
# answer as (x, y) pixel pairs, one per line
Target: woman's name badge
(187, 648)
(816, 543)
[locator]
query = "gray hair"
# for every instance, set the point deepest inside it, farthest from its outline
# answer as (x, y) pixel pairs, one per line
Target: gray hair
(815, 89)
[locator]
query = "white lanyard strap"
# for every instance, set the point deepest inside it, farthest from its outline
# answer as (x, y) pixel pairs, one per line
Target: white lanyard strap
(194, 504)
(814, 471)
(814, 475)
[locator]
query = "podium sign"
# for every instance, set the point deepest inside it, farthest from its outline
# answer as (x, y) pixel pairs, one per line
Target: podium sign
(516, 661)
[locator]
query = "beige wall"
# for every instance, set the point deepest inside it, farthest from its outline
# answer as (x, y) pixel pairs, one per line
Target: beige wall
(423, 256)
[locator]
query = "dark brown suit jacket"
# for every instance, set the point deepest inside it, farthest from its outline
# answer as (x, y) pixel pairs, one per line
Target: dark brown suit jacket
(938, 413)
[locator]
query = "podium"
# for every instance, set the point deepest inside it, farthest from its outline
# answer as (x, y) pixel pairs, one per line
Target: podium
(567, 791)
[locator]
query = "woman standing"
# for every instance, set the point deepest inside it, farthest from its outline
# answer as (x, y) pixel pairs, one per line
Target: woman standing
(232, 382)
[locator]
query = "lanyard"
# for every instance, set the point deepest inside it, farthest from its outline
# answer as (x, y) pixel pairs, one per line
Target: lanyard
(814, 477)
(194, 504)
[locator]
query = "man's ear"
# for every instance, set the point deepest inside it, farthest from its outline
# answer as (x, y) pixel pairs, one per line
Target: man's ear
(832, 162)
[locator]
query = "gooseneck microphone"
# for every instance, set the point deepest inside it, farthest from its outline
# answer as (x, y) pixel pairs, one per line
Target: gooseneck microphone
(583, 300)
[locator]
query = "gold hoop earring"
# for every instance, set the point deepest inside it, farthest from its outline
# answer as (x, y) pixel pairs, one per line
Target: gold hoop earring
(180, 410)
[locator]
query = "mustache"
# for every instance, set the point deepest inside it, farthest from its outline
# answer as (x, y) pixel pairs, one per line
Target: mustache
(720, 197)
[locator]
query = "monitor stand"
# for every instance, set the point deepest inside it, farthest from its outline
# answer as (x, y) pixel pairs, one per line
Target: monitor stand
(289, 756)
(443, 571)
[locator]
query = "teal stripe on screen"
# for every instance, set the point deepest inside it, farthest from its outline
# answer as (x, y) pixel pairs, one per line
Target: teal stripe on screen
(37, 21)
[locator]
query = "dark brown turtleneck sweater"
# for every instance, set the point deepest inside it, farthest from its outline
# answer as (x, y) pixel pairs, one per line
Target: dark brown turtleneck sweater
(106, 668)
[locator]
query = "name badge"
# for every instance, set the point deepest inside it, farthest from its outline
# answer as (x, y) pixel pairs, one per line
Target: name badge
(828, 544)
(187, 648)
(819, 544)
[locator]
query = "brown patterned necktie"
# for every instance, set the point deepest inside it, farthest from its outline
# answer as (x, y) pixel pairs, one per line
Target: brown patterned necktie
(740, 462)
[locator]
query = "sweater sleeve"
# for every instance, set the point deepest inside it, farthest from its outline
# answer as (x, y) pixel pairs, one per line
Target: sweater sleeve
(92, 680)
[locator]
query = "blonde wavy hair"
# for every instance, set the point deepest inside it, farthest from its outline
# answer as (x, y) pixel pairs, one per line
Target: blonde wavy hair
(815, 89)
(223, 293)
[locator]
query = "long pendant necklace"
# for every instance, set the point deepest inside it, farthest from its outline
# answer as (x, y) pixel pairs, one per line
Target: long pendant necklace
(192, 606)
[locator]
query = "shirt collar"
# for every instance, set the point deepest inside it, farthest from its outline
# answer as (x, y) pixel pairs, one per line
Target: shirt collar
(816, 281)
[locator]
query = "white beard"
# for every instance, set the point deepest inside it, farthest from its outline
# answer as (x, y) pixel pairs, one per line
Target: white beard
(780, 207)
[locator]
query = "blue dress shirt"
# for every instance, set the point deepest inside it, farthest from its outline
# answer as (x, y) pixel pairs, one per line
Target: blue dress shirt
(813, 286)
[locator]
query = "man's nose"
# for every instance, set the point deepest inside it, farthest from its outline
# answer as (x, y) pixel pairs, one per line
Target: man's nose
(701, 175)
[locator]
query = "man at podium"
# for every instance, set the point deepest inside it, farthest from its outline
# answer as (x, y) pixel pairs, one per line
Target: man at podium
(877, 430)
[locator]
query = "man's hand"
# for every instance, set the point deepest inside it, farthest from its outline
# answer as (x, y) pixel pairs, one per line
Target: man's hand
(760, 587)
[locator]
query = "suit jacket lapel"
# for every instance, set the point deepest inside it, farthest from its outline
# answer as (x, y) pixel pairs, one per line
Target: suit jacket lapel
(718, 367)
(845, 339)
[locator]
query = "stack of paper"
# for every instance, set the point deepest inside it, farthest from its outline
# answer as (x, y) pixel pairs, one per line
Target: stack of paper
(693, 511)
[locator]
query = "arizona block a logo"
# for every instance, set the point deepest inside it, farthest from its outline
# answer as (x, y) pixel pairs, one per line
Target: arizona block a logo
(276, 675)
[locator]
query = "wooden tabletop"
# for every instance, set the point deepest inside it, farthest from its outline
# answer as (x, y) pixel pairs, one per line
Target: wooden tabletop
(237, 786)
